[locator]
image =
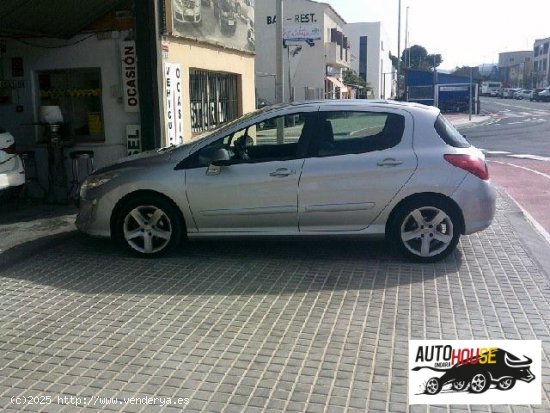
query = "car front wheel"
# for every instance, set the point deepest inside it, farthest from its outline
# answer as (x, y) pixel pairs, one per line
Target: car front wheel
(148, 226)
(426, 230)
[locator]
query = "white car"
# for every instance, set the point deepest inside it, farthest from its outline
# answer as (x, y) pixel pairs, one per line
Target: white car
(350, 167)
(12, 173)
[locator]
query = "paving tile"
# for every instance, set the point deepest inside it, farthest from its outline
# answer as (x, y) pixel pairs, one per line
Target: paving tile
(291, 325)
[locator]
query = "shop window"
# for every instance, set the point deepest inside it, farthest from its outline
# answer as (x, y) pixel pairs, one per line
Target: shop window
(78, 93)
(214, 99)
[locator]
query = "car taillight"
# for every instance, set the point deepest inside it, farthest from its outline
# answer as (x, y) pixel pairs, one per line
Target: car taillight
(10, 149)
(472, 164)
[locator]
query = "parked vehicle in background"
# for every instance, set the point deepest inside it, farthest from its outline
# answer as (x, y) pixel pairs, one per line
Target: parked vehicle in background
(187, 11)
(508, 93)
(490, 88)
(523, 94)
(535, 94)
(544, 95)
(12, 173)
(353, 167)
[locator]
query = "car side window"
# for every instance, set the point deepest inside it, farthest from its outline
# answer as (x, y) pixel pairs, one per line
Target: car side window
(347, 132)
(278, 138)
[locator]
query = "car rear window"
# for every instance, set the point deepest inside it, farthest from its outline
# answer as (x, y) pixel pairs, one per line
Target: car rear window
(449, 134)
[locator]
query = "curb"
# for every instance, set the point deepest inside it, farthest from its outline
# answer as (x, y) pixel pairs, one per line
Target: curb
(530, 232)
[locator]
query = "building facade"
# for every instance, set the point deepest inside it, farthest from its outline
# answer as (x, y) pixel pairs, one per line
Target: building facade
(200, 74)
(316, 51)
(370, 57)
(516, 68)
(541, 65)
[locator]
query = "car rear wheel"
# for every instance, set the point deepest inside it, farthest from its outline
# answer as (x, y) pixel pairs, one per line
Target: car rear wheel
(480, 383)
(433, 386)
(425, 229)
(148, 226)
(459, 385)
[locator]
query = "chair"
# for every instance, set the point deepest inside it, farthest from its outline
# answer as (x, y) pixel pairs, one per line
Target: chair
(31, 172)
(82, 163)
(325, 139)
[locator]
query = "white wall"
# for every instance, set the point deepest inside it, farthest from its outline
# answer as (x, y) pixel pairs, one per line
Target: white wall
(89, 53)
(378, 61)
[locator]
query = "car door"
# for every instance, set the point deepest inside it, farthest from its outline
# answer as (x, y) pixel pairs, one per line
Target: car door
(359, 160)
(255, 190)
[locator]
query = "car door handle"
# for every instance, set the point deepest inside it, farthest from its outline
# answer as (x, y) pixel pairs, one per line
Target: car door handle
(389, 162)
(282, 172)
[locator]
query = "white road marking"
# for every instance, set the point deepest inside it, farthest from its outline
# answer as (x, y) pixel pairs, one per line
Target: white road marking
(528, 156)
(496, 152)
(522, 167)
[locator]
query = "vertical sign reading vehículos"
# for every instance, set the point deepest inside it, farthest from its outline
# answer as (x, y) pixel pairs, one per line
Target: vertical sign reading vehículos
(173, 105)
(129, 76)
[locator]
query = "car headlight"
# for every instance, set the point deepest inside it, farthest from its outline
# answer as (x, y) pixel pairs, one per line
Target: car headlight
(94, 182)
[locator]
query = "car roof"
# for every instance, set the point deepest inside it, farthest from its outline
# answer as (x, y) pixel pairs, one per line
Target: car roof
(359, 103)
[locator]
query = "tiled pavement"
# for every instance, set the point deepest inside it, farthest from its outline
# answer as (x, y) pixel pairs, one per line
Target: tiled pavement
(281, 325)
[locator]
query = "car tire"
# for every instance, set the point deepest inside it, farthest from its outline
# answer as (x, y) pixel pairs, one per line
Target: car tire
(433, 386)
(506, 383)
(459, 385)
(148, 226)
(480, 383)
(425, 229)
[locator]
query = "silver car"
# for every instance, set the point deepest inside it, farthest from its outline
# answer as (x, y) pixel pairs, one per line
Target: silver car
(364, 168)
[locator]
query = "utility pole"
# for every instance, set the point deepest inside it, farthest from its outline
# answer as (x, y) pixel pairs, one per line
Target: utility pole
(398, 48)
(471, 81)
(280, 89)
(407, 47)
(279, 82)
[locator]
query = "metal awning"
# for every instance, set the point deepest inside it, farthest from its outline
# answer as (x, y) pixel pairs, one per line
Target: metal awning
(52, 18)
(337, 83)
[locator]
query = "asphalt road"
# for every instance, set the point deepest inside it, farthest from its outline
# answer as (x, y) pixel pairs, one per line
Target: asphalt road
(517, 144)
(518, 126)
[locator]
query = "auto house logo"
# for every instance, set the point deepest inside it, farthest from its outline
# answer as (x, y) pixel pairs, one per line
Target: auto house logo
(474, 372)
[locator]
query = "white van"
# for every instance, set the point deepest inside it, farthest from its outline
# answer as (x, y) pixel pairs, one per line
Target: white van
(490, 88)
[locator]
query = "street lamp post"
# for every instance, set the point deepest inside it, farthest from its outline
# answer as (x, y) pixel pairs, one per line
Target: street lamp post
(398, 47)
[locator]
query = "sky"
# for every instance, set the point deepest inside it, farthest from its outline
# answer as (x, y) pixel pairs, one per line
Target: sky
(465, 32)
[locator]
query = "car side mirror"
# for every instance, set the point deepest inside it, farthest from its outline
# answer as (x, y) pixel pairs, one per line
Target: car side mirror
(220, 158)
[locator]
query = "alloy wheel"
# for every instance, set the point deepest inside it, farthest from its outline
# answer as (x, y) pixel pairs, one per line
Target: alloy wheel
(427, 231)
(147, 229)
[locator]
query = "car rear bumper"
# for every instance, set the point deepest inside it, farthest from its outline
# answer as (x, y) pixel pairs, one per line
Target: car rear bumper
(477, 200)
(12, 173)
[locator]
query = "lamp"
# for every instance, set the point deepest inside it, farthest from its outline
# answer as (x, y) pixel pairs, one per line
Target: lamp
(50, 114)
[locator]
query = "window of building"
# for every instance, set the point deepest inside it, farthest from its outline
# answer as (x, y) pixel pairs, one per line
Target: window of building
(545, 48)
(363, 42)
(78, 93)
(214, 99)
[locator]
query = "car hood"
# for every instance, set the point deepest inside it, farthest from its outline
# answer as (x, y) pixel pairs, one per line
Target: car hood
(148, 159)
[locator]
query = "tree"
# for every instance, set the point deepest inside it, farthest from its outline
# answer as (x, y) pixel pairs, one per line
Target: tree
(350, 77)
(419, 59)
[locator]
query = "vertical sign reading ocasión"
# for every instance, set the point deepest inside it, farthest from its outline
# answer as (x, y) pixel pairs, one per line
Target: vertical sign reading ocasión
(129, 76)
(173, 104)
